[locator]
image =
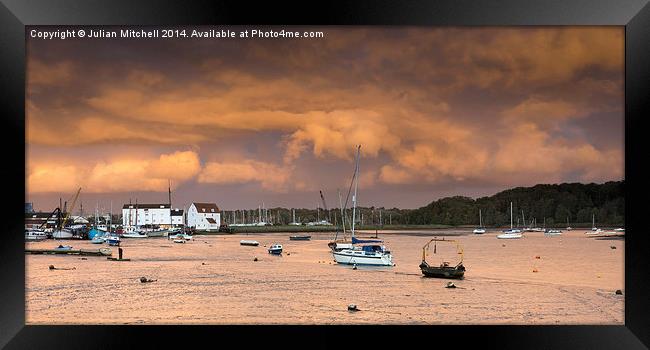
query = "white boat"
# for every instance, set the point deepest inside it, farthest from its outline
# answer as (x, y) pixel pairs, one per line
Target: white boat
(620, 229)
(361, 252)
(594, 230)
(35, 235)
(62, 234)
(248, 242)
(552, 232)
(134, 235)
(275, 249)
(294, 223)
(480, 229)
(179, 240)
(181, 236)
(113, 239)
(512, 233)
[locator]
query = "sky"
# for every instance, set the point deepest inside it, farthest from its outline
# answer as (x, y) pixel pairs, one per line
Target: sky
(438, 111)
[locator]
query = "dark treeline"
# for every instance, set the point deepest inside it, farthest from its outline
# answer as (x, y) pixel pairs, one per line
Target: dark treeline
(554, 204)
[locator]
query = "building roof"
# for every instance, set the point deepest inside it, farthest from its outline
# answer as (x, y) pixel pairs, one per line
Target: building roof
(177, 212)
(206, 207)
(146, 206)
(211, 220)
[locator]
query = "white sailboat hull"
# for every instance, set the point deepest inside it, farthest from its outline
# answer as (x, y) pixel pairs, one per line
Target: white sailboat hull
(351, 257)
(479, 231)
(509, 236)
(61, 234)
(552, 233)
(134, 235)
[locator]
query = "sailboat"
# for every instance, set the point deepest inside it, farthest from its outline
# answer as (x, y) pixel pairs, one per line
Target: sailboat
(134, 232)
(63, 232)
(96, 234)
(361, 252)
(294, 223)
(480, 229)
(512, 233)
(594, 230)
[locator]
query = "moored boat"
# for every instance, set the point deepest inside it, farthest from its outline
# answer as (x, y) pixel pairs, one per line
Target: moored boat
(62, 234)
(360, 252)
(275, 249)
(512, 233)
(113, 240)
(249, 242)
(134, 235)
(299, 238)
(480, 229)
(552, 232)
(444, 270)
(35, 235)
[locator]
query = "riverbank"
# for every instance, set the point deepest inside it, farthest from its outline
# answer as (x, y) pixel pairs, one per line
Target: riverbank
(568, 279)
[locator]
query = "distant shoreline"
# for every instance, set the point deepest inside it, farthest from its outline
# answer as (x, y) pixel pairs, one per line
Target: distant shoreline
(366, 229)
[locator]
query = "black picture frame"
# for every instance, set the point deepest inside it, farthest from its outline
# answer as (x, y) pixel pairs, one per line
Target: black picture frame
(634, 15)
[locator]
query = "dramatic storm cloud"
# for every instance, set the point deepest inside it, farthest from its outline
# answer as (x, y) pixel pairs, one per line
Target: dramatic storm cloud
(438, 111)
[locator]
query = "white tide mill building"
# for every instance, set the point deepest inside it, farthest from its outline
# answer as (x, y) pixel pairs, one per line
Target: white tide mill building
(204, 216)
(134, 215)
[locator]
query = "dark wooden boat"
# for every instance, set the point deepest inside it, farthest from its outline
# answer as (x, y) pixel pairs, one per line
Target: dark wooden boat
(444, 270)
(299, 238)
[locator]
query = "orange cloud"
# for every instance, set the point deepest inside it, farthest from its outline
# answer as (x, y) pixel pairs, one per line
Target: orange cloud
(40, 73)
(268, 175)
(119, 175)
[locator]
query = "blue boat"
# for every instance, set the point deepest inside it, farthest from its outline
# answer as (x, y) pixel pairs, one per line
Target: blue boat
(113, 240)
(95, 232)
(275, 249)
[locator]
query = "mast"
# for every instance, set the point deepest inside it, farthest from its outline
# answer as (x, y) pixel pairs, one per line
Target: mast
(593, 220)
(110, 219)
(342, 214)
(136, 213)
(356, 186)
(523, 218)
(511, 215)
(480, 219)
(170, 203)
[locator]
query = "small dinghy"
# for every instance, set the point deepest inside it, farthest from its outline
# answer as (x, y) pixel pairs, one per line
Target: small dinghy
(275, 249)
(299, 238)
(113, 240)
(445, 270)
(179, 240)
(63, 247)
(250, 243)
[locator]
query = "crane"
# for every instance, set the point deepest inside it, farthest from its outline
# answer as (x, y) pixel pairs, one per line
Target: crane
(324, 204)
(74, 201)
